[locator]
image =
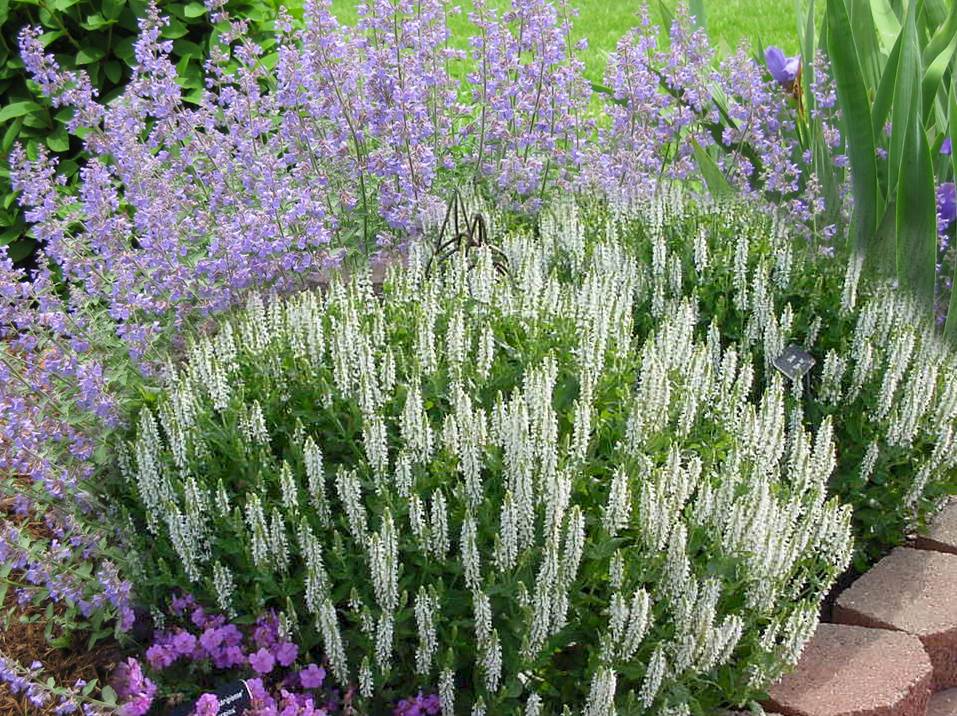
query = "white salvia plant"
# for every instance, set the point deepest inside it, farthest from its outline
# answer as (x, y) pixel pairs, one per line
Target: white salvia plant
(477, 475)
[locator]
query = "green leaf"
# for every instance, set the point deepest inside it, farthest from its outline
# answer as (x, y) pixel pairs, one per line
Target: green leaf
(713, 176)
(916, 196)
(865, 40)
(942, 37)
(64, 5)
(175, 29)
(108, 695)
(17, 109)
(112, 9)
(696, 9)
(934, 74)
(114, 71)
(853, 101)
(49, 37)
(10, 135)
(58, 140)
(89, 53)
(94, 22)
(194, 9)
(124, 50)
(906, 96)
(20, 249)
(886, 23)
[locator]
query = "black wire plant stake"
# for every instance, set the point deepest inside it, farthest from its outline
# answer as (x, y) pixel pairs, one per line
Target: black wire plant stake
(461, 233)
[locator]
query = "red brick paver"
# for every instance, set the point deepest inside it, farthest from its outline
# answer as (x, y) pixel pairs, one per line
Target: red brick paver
(912, 591)
(942, 534)
(943, 703)
(853, 671)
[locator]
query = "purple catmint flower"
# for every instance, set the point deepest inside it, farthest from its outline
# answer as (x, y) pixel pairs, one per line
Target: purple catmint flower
(784, 70)
(262, 661)
(312, 677)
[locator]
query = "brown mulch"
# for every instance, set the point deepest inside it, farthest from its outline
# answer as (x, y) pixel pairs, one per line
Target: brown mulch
(22, 639)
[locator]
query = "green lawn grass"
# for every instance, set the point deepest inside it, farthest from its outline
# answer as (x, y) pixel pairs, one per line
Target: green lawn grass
(602, 22)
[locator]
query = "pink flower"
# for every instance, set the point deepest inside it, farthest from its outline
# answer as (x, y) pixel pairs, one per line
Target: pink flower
(262, 661)
(208, 705)
(183, 643)
(312, 677)
(210, 640)
(159, 656)
(133, 688)
(286, 653)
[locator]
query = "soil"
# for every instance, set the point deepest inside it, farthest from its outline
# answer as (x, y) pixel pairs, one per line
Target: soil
(22, 639)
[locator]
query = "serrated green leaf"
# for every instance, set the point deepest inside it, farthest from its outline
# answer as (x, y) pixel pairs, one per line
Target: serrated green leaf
(17, 109)
(108, 695)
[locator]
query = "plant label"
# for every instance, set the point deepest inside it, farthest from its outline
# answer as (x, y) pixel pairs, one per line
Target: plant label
(794, 362)
(234, 699)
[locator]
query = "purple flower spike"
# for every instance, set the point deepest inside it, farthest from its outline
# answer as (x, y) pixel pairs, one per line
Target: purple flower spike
(947, 203)
(783, 69)
(946, 147)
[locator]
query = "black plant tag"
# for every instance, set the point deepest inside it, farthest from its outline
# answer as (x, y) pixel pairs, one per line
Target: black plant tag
(794, 362)
(233, 698)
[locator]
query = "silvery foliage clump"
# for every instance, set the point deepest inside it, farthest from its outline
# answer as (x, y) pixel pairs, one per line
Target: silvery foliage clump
(499, 484)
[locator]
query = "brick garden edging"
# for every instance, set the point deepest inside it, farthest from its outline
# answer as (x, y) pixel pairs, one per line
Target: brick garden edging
(893, 643)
